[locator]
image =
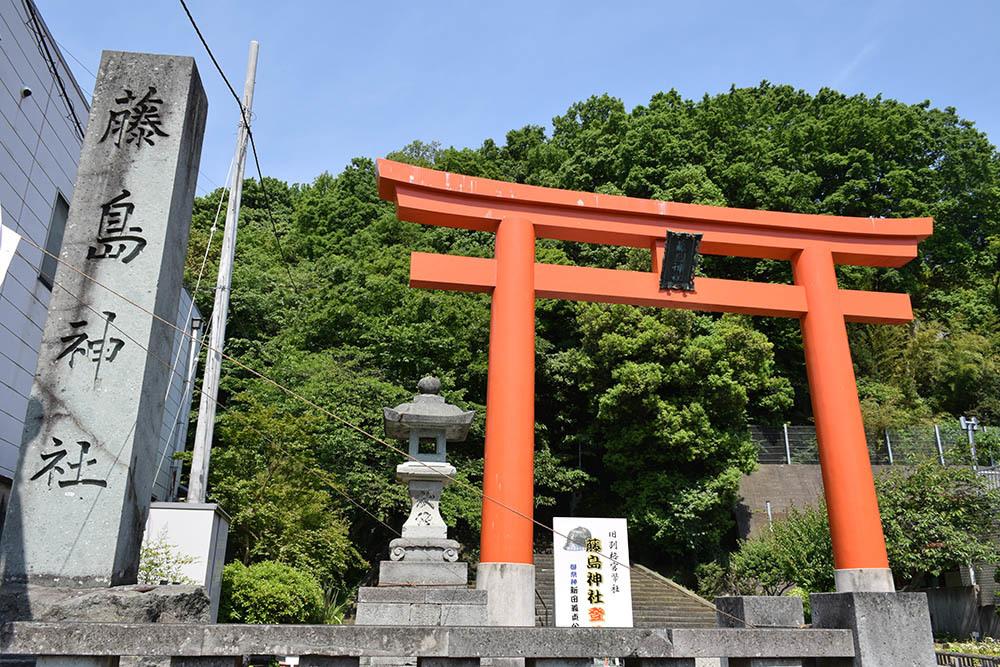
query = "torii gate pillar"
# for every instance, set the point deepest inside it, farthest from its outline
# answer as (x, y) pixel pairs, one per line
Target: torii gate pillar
(813, 244)
(855, 524)
(506, 566)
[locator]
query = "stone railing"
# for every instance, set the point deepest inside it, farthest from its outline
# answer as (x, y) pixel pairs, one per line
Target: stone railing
(194, 644)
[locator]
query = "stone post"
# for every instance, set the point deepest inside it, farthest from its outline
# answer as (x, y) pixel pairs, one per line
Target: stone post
(760, 611)
(889, 628)
(83, 482)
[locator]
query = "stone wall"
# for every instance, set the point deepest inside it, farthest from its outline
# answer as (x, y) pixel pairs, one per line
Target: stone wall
(955, 611)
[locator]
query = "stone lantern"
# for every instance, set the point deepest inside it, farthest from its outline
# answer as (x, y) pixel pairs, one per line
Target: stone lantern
(423, 583)
(428, 422)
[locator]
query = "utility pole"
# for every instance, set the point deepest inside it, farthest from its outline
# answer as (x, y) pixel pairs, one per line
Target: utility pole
(213, 356)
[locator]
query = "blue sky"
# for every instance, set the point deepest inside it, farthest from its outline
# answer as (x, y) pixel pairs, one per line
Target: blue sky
(342, 79)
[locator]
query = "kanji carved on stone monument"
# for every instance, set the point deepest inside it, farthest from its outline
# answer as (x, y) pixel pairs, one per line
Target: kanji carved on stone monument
(115, 234)
(78, 342)
(135, 121)
(53, 459)
(84, 480)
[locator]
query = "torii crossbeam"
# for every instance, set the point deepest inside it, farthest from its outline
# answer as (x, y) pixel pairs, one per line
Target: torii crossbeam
(519, 214)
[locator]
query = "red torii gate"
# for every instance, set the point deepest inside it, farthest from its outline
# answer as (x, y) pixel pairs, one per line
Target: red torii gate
(812, 243)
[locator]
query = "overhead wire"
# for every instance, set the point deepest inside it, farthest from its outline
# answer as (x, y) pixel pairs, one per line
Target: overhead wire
(253, 146)
(50, 61)
(371, 436)
(78, 61)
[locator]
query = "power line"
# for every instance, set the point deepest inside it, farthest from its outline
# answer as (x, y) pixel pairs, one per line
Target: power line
(253, 145)
(78, 61)
(50, 61)
(270, 215)
(215, 62)
(194, 293)
(217, 186)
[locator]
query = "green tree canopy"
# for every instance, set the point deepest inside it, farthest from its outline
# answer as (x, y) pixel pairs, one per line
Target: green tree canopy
(639, 412)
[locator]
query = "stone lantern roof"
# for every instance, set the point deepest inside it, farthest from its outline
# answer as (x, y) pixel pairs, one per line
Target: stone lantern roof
(427, 412)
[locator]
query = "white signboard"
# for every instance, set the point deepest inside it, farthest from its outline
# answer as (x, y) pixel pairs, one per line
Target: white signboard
(592, 582)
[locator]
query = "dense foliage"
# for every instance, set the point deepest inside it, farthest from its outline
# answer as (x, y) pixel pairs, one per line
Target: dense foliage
(796, 552)
(640, 412)
(934, 518)
(267, 593)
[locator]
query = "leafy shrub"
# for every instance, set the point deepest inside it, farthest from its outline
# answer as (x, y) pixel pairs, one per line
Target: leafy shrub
(934, 519)
(712, 579)
(756, 569)
(988, 646)
(159, 561)
(796, 551)
(803, 595)
(269, 593)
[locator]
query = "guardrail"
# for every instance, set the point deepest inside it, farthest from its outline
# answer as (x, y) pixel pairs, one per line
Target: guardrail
(440, 646)
(545, 608)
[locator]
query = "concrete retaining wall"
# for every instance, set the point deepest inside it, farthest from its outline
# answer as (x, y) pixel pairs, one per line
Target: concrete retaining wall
(225, 640)
(798, 485)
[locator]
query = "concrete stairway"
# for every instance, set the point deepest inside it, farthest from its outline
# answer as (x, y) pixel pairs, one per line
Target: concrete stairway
(657, 602)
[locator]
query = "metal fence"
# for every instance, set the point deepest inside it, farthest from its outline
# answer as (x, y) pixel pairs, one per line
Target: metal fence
(992, 474)
(946, 443)
(966, 659)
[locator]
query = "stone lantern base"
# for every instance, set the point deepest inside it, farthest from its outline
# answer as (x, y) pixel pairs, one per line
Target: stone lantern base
(421, 606)
(441, 574)
(419, 593)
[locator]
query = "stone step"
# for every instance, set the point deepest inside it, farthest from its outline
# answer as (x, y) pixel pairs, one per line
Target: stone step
(655, 602)
(681, 608)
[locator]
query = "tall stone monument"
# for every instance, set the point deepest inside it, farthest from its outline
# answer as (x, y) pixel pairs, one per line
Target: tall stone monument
(423, 583)
(84, 477)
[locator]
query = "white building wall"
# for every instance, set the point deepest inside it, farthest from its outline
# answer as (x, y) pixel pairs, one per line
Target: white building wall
(39, 149)
(177, 409)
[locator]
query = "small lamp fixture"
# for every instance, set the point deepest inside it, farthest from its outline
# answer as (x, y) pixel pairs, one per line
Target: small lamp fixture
(680, 258)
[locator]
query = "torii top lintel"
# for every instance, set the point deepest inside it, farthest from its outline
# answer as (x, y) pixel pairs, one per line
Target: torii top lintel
(454, 200)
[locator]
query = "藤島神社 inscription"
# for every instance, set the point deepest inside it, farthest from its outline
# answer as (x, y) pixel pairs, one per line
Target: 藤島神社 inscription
(134, 120)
